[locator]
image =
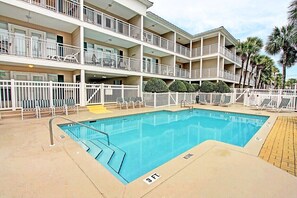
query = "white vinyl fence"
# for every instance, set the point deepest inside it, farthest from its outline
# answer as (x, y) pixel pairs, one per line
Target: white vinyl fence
(13, 92)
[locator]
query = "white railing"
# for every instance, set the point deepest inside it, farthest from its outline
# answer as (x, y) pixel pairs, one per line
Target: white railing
(105, 93)
(195, 73)
(210, 97)
(227, 75)
(13, 92)
(209, 72)
(180, 49)
(168, 98)
(229, 54)
(111, 23)
(183, 73)
(18, 45)
(157, 40)
(67, 7)
(114, 61)
(155, 68)
(196, 52)
(210, 49)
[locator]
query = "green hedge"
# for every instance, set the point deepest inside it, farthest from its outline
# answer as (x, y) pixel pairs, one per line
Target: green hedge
(178, 86)
(222, 87)
(196, 86)
(189, 87)
(207, 87)
(156, 85)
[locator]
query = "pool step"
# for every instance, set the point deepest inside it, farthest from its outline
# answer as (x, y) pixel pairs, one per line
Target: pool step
(107, 153)
(94, 150)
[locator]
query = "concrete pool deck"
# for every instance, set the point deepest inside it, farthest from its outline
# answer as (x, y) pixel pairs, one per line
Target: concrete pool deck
(30, 168)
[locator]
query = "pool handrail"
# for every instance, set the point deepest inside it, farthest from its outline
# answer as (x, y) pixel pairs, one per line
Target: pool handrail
(52, 135)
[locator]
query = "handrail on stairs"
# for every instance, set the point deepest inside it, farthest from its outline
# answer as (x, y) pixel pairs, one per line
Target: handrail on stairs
(52, 135)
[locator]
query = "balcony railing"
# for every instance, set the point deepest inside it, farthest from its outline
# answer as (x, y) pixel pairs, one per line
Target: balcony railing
(157, 40)
(111, 23)
(180, 49)
(183, 73)
(229, 54)
(196, 52)
(113, 61)
(155, 68)
(209, 72)
(67, 7)
(19, 45)
(227, 75)
(195, 73)
(210, 49)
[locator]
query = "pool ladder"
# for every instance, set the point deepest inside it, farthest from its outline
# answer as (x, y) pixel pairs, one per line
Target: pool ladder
(185, 104)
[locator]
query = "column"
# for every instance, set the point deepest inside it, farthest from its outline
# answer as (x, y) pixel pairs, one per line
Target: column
(82, 88)
(81, 11)
(141, 58)
(81, 40)
(141, 27)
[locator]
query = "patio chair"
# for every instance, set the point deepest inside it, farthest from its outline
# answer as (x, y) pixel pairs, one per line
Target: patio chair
(139, 101)
(217, 100)
(70, 104)
(59, 104)
(29, 105)
(131, 102)
(121, 102)
(44, 105)
(284, 104)
(202, 100)
(264, 104)
(226, 101)
(71, 57)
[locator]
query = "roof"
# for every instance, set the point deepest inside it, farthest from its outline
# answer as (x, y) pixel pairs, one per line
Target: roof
(147, 3)
(170, 25)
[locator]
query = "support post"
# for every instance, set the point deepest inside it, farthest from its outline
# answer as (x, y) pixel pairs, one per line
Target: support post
(82, 88)
(51, 95)
(102, 94)
(13, 99)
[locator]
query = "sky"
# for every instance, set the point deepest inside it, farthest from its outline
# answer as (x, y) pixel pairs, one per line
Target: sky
(242, 18)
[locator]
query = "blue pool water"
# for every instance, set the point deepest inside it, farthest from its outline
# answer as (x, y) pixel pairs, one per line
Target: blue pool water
(142, 142)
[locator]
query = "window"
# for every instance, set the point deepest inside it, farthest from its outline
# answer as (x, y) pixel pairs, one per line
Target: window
(117, 82)
(4, 75)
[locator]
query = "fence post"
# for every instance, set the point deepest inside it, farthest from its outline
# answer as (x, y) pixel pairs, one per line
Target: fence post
(51, 93)
(13, 99)
(169, 98)
(123, 94)
(155, 99)
(102, 93)
(138, 90)
(176, 98)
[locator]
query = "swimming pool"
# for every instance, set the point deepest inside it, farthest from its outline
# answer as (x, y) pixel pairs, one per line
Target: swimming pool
(139, 143)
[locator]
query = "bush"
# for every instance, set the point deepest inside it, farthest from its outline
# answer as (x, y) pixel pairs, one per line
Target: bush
(178, 86)
(189, 87)
(222, 87)
(207, 87)
(196, 86)
(156, 85)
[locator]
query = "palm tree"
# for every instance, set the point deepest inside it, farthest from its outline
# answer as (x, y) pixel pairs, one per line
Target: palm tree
(278, 81)
(241, 50)
(264, 70)
(282, 40)
(291, 82)
(255, 61)
(253, 45)
(293, 13)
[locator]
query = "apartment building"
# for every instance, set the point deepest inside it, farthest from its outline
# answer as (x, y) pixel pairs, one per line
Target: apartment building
(110, 41)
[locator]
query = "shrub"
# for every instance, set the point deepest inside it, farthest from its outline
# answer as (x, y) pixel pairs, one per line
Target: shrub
(156, 85)
(189, 87)
(178, 86)
(196, 86)
(207, 87)
(222, 87)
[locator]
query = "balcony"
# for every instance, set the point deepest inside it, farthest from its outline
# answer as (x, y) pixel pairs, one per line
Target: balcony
(18, 45)
(180, 49)
(229, 54)
(113, 61)
(111, 23)
(196, 52)
(209, 72)
(195, 73)
(228, 75)
(157, 40)
(182, 73)
(160, 69)
(66, 7)
(210, 49)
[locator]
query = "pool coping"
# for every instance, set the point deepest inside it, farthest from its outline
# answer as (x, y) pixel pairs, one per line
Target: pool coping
(114, 188)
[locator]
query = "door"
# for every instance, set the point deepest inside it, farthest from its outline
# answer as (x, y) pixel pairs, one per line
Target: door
(20, 42)
(147, 64)
(60, 41)
(38, 44)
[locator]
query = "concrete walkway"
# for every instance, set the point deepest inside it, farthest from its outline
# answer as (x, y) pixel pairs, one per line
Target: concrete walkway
(280, 147)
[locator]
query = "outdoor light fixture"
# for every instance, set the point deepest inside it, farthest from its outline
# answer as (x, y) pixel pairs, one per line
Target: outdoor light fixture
(31, 66)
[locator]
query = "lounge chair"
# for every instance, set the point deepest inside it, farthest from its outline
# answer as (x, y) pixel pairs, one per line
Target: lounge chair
(59, 104)
(122, 103)
(265, 104)
(29, 105)
(202, 100)
(284, 104)
(71, 57)
(217, 100)
(70, 104)
(44, 105)
(226, 101)
(131, 102)
(139, 101)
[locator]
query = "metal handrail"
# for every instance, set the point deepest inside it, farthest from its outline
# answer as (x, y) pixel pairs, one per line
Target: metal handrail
(52, 135)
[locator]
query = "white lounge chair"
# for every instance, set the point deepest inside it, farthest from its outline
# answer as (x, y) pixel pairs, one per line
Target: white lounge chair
(217, 100)
(264, 104)
(122, 103)
(226, 101)
(71, 57)
(283, 105)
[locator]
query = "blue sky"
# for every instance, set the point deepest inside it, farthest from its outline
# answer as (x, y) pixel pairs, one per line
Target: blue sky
(242, 18)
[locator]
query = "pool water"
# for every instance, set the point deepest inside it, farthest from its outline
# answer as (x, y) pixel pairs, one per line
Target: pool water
(139, 143)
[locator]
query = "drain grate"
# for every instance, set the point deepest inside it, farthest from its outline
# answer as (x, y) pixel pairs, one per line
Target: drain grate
(188, 156)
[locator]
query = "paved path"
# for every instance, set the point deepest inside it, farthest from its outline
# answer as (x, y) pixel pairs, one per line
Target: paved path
(280, 147)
